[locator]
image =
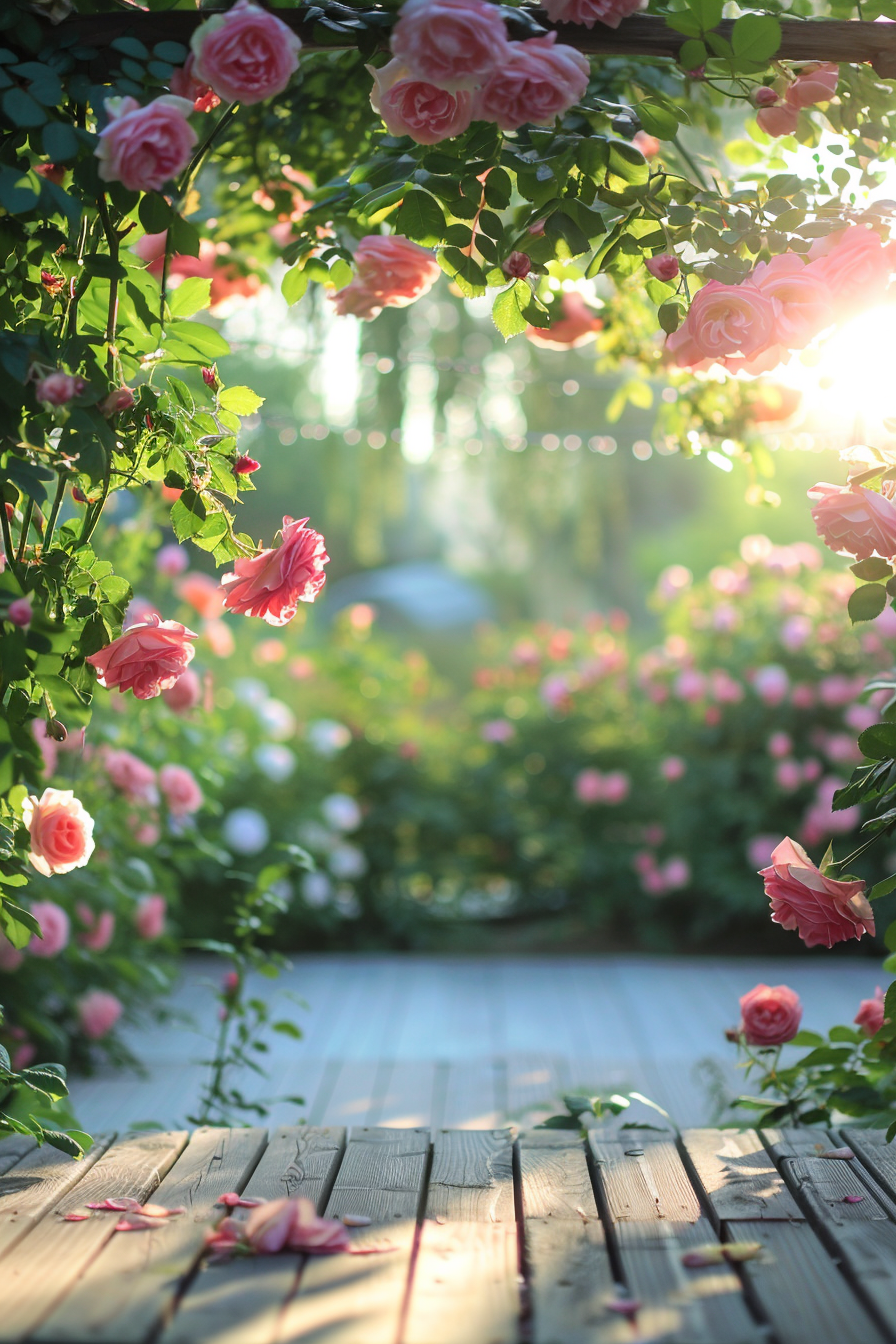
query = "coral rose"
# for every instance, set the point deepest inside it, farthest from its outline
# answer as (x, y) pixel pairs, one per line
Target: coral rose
(804, 299)
(145, 147)
(822, 910)
(855, 265)
(416, 108)
(182, 794)
(855, 521)
(147, 659)
(98, 1011)
(202, 593)
(770, 1015)
(578, 325)
(814, 84)
(537, 82)
(272, 583)
(454, 44)
(133, 777)
(245, 55)
(54, 929)
(590, 12)
(870, 1016)
(731, 323)
(149, 916)
(61, 832)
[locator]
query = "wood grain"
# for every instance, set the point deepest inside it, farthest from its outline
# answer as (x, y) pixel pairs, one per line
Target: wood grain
(472, 1176)
(129, 1290)
(737, 1175)
(554, 1172)
(239, 1300)
(465, 1285)
(687, 1306)
(39, 1272)
(40, 1178)
(570, 1283)
(878, 1156)
(644, 1187)
(13, 1149)
(381, 1175)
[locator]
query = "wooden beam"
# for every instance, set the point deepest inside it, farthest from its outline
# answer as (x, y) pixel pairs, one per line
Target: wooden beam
(841, 40)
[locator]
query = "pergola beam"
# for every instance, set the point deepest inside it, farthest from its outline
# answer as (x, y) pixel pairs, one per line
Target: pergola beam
(844, 41)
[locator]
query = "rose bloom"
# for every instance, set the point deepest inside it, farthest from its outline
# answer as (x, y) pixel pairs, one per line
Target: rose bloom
(803, 295)
(119, 399)
(145, 147)
(99, 929)
(147, 659)
(61, 832)
(777, 120)
(870, 1016)
(245, 55)
(54, 929)
(589, 786)
(726, 323)
(149, 916)
(133, 777)
(391, 273)
(454, 44)
(413, 107)
(822, 910)
(227, 281)
(293, 1224)
(590, 12)
(856, 522)
(58, 388)
(98, 1011)
(272, 583)
(185, 694)
(855, 265)
(616, 786)
(673, 768)
(181, 791)
(771, 683)
(538, 80)
(778, 745)
(578, 325)
(770, 1015)
(184, 84)
(815, 83)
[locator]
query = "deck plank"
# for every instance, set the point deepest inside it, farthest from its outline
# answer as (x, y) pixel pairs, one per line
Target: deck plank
(39, 1180)
(554, 1173)
(128, 1291)
(644, 1185)
(472, 1176)
(570, 1284)
(465, 1285)
(739, 1179)
(42, 1269)
(13, 1149)
(240, 1300)
(875, 1154)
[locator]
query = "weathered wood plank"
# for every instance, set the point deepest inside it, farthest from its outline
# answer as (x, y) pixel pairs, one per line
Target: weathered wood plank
(872, 1149)
(554, 1172)
(570, 1283)
(128, 1291)
(687, 1306)
(13, 1149)
(40, 1178)
(737, 1176)
(39, 1272)
(644, 1186)
(472, 1176)
(242, 1300)
(341, 1298)
(798, 1287)
(465, 1285)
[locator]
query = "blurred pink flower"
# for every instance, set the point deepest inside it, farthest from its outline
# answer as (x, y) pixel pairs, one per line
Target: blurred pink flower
(203, 594)
(220, 638)
(673, 581)
(185, 694)
(802, 696)
(653, 883)
(870, 1016)
(712, 716)
(812, 769)
(616, 787)
(99, 929)
(771, 683)
(759, 850)
(131, 776)
(180, 789)
(149, 916)
(589, 786)
(690, 685)
(837, 689)
(54, 929)
(497, 730)
(554, 691)
(49, 749)
(146, 832)
(778, 745)
(172, 560)
(725, 618)
(676, 873)
(770, 1015)
(23, 1056)
(140, 610)
(98, 1011)
(10, 957)
(788, 775)
(723, 687)
(672, 768)
(860, 717)
(885, 624)
(795, 632)
(644, 862)
(525, 652)
(842, 749)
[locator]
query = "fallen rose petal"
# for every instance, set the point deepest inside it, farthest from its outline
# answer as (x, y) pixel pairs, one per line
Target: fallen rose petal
(234, 1201)
(735, 1252)
(356, 1220)
(624, 1306)
(117, 1204)
(135, 1223)
(703, 1256)
(157, 1211)
(358, 1250)
(839, 1154)
(853, 1199)
(74, 1217)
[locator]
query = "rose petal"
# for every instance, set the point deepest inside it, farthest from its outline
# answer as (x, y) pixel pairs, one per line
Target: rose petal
(735, 1252)
(703, 1256)
(853, 1199)
(839, 1154)
(235, 1201)
(356, 1220)
(624, 1306)
(74, 1217)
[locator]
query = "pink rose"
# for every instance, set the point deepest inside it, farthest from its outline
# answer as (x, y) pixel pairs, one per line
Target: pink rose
(788, 775)
(870, 1016)
(777, 120)
(147, 659)
(149, 916)
(517, 266)
(771, 683)
(98, 1011)
(182, 794)
(663, 267)
(272, 583)
(804, 298)
(779, 745)
(578, 325)
(589, 786)
(10, 957)
(770, 1015)
(391, 273)
(454, 44)
(185, 694)
(61, 832)
(855, 265)
(119, 399)
(184, 84)
(856, 522)
(673, 768)
(616, 787)
(676, 873)
(131, 776)
(145, 147)
(413, 107)
(822, 910)
(730, 323)
(538, 80)
(58, 388)
(20, 612)
(99, 929)
(245, 55)
(54, 929)
(764, 97)
(353, 300)
(814, 84)
(172, 560)
(590, 12)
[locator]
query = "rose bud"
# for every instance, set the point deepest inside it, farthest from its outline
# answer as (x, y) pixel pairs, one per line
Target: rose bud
(663, 267)
(78, 495)
(53, 284)
(764, 97)
(244, 466)
(58, 388)
(53, 172)
(119, 399)
(20, 612)
(210, 377)
(517, 266)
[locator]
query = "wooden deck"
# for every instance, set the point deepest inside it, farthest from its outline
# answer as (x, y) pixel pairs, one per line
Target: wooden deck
(456, 1042)
(491, 1240)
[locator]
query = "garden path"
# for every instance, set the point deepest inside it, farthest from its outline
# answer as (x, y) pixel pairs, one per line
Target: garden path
(472, 1042)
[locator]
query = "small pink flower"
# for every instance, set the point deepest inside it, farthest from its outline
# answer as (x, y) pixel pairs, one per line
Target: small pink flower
(119, 399)
(538, 81)
(58, 388)
(244, 466)
(181, 791)
(690, 685)
(673, 768)
(453, 44)
(589, 786)
(143, 148)
(663, 267)
(870, 1016)
(131, 776)
(230, 982)
(857, 522)
(171, 560)
(760, 850)
(497, 730)
(146, 833)
(676, 873)
(771, 683)
(246, 55)
(99, 930)
(23, 1056)
(272, 583)
(616, 787)
(778, 745)
(647, 144)
(815, 83)
(149, 917)
(20, 612)
(770, 1015)
(414, 107)
(54, 929)
(10, 957)
(147, 659)
(61, 832)
(98, 1011)
(822, 910)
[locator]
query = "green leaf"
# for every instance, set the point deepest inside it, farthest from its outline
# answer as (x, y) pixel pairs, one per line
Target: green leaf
(467, 274)
(294, 284)
(872, 570)
(75, 1142)
(59, 141)
(240, 400)
(883, 889)
(657, 120)
(755, 37)
(878, 742)
(191, 296)
(21, 109)
(565, 1122)
(807, 1038)
(130, 46)
(693, 54)
(19, 925)
(507, 310)
(867, 602)
(154, 212)
(421, 218)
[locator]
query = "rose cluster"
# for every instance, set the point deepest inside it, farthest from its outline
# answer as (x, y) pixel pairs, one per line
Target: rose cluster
(783, 304)
(779, 107)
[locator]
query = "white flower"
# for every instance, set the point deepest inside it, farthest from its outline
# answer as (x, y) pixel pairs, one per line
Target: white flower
(316, 889)
(341, 811)
(347, 861)
(250, 691)
(278, 719)
(274, 761)
(246, 830)
(326, 736)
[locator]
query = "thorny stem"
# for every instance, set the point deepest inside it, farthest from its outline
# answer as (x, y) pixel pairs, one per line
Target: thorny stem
(27, 515)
